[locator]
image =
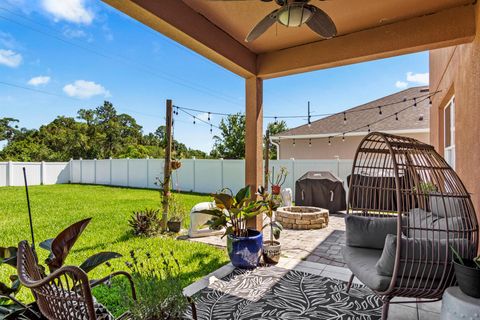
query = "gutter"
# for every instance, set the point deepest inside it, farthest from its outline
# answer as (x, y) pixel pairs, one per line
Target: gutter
(350, 134)
(276, 145)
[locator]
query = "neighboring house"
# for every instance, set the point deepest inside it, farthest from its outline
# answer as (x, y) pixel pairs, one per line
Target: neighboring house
(312, 142)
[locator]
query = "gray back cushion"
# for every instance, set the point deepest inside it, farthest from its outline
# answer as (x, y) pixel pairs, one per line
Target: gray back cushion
(368, 232)
(446, 207)
(437, 251)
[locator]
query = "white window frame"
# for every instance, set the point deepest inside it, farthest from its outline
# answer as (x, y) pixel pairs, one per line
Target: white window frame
(449, 151)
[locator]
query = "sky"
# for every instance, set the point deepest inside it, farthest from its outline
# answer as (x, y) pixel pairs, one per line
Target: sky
(58, 56)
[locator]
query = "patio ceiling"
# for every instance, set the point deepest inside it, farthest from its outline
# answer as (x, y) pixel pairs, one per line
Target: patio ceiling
(367, 30)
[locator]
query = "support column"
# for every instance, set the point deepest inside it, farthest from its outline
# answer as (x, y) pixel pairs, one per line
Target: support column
(254, 139)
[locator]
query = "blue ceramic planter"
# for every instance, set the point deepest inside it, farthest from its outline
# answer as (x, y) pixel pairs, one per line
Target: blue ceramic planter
(245, 252)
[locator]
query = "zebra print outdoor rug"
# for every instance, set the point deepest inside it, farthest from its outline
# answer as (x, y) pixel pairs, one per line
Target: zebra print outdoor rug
(270, 293)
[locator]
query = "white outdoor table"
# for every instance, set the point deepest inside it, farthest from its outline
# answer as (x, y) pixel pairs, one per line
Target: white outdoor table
(456, 305)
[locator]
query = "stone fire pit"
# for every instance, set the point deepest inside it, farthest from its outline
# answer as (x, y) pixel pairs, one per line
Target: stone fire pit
(302, 218)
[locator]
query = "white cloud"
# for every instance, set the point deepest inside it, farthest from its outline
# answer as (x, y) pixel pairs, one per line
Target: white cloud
(418, 78)
(6, 40)
(69, 10)
(401, 84)
(10, 58)
(85, 89)
(40, 80)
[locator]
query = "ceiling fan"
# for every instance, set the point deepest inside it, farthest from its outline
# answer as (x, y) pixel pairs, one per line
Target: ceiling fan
(295, 13)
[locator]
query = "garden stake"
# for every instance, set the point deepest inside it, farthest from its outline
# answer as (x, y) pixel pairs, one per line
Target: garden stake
(29, 214)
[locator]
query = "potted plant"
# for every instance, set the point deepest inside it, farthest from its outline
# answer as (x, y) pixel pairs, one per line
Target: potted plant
(276, 181)
(231, 212)
(467, 273)
(175, 164)
(271, 248)
(176, 212)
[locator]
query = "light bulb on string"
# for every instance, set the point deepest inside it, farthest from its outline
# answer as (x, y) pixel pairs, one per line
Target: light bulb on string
(380, 110)
(294, 142)
(309, 142)
(194, 120)
(343, 137)
(415, 102)
(211, 129)
(396, 116)
(344, 118)
(329, 141)
(430, 100)
(276, 122)
(368, 128)
(209, 116)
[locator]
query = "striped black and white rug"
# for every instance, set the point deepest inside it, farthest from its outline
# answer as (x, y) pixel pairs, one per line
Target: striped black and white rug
(274, 293)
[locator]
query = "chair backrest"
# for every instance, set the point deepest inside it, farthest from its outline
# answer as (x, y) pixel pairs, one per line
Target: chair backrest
(64, 294)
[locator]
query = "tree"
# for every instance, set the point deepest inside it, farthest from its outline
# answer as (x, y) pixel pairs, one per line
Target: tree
(273, 129)
(7, 131)
(231, 142)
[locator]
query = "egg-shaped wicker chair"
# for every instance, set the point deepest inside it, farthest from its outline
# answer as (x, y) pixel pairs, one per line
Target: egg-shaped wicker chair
(407, 209)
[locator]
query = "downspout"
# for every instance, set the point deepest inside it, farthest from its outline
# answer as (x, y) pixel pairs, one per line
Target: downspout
(277, 146)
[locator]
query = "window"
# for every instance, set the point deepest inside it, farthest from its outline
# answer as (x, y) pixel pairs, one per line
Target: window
(449, 130)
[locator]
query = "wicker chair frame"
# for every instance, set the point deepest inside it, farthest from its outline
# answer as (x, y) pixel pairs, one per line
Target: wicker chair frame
(392, 175)
(64, 294)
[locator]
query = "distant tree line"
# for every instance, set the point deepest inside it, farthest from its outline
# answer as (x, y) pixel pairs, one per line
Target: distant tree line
(95, 133)
(102, 133)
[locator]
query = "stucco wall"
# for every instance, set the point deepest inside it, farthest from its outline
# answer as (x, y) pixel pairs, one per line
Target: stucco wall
(456, 71)
(321, 150)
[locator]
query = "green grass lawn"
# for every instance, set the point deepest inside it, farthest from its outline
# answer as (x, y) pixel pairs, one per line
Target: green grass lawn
(56, 207)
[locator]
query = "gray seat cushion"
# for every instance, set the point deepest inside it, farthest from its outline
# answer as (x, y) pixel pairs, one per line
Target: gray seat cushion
(368, 232)
(361, 262)
(419, 219)
(447, 207)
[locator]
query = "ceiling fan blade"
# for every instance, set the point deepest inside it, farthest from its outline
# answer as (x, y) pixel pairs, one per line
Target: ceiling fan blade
(321, 23)
(262, 26)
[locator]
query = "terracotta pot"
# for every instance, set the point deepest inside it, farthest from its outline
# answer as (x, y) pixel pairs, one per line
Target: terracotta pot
(271, 252)
(174, 226)
(175, 164)
(276, 189)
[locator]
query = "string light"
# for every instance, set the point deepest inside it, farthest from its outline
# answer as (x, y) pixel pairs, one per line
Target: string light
(343, 137)
(415, 102)
(380, 110)
(329, 141)
(194, 120)
(211, 129)
(429, 100)
(344, 117)
(276, 122)
(396, 116)
(309, 116)
(293, 142)
(368, 128)
(309, 142)
(209, 116)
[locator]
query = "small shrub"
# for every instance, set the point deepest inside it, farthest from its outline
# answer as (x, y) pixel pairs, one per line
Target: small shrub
(146, 222)
(159, 291)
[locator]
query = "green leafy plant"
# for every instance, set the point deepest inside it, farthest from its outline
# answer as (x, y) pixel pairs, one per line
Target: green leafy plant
(271, 203)
(426, 187)
(146, 222)
(460, 260)
(159, 292)
(232, 212)
(176, 210)
(60, 246)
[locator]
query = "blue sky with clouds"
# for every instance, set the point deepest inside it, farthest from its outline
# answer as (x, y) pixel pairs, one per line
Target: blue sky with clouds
(78, 53)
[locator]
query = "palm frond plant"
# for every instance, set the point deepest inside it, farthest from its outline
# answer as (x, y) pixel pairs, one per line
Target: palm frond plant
(232, 212)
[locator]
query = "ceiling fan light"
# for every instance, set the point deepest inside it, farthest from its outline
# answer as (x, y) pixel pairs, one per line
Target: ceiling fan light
(294, 15)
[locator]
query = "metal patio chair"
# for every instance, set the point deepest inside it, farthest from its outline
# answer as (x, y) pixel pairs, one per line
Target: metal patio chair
(66, 293)
(407, 209)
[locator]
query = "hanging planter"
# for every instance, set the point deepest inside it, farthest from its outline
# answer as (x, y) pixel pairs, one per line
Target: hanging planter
(175, 164)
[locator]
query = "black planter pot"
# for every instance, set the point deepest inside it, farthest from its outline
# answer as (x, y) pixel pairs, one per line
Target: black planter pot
(174, 226)
(468, 278)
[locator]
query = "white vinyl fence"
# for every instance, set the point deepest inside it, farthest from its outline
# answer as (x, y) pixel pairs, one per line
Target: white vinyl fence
(11, 173)
(203, 176)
